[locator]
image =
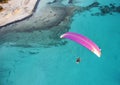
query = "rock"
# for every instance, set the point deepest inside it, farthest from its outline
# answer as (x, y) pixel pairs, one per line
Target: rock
(1, 8)
(118, 9)
(33, 52)
(3, 1)
(16, 11)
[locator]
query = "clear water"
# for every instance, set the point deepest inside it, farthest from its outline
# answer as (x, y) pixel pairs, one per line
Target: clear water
(57, 65)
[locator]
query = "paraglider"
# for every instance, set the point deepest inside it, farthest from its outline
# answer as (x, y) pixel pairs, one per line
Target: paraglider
(78, 60)
(84, 41)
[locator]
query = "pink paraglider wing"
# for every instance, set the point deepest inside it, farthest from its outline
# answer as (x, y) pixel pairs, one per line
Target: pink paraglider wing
(83, 41)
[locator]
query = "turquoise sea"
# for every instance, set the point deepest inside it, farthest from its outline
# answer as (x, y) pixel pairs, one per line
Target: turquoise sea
(56, 65)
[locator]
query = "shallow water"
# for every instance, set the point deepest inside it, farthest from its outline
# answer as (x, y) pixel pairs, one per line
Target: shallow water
(56, 65)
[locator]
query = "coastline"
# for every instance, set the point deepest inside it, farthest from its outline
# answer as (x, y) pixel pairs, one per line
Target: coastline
(24, 18)
(17, 13)
(48, 22)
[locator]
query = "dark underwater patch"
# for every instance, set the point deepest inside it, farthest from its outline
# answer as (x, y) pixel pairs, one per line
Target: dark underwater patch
(107, 9)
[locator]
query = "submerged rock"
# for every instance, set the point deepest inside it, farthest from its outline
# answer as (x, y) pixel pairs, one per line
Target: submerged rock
(107, 9)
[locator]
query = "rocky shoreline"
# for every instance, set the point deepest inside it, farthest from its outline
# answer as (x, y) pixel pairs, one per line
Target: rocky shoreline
(12, 12)
(24, 18)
